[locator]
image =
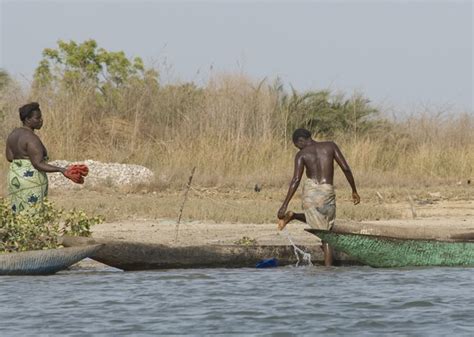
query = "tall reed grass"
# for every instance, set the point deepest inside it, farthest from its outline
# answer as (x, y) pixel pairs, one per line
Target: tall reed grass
(235, 131)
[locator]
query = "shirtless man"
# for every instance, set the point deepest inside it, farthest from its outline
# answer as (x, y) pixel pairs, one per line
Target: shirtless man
(318, 191)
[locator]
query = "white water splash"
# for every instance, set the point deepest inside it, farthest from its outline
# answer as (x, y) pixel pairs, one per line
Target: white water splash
(304, 256)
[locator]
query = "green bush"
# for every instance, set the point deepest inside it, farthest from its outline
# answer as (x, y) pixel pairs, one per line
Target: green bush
(42, 228)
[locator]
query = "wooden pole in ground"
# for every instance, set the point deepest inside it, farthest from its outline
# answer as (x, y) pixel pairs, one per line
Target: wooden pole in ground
(188, 186)
(412, 206)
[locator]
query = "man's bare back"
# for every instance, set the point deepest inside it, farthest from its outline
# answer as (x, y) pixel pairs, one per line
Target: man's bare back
(318, 160)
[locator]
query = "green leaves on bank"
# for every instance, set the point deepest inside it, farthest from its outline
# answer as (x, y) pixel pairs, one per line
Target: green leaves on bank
(41, 229)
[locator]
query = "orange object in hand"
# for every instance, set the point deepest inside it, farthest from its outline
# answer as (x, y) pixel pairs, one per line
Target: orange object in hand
(76, 173)
(82, 169)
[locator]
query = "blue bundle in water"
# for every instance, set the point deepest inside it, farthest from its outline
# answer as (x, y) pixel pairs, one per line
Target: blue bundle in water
(267, 263)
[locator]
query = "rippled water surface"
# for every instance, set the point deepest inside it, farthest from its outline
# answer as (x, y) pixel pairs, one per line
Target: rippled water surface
(289, 301)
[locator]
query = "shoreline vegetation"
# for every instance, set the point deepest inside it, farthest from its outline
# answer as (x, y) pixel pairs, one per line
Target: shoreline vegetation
(41, 229)
(236, 130)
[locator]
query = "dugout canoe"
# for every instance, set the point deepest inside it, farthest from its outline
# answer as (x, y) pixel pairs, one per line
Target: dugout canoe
(389, 252)
(131, 256)
(411, 229)
(44, 262)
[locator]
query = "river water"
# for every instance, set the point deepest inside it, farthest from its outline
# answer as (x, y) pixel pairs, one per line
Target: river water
(287, 301)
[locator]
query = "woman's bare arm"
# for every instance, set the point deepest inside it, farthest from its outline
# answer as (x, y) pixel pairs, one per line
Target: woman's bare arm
(9, 154)
(34, 149)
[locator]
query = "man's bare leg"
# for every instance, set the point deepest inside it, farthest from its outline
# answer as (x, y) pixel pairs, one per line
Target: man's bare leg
(327, 250)
(328, 254)
(300, 217)
(289, 216)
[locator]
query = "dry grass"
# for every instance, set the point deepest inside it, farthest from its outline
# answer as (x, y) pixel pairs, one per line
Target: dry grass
(233, 131)
(205, 204)
(240, 205)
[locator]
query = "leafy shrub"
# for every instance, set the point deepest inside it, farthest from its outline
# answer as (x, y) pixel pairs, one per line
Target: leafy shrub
(40, 229)
(246, 241)
(77, 223)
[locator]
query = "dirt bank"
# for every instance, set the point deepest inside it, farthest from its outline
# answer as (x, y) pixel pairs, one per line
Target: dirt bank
(202, 233)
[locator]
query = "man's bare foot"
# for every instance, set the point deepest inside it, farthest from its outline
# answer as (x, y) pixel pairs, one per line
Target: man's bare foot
(283, 222)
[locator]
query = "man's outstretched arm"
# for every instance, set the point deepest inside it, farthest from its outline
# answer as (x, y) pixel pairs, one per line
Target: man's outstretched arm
(341, 161)
(295, 182)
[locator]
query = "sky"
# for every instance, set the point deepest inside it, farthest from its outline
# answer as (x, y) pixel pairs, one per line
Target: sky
(403, 55)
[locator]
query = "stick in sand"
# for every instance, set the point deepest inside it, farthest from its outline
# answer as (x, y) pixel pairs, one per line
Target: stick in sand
(188, 186)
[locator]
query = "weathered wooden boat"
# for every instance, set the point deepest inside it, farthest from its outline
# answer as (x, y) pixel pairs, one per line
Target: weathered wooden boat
(435, 229)
(44, 262)
(386, 251)
(144, 256)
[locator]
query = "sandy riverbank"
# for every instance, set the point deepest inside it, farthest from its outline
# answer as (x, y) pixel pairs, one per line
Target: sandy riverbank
(443, 217)
(228, 216)
(202, 233)
(455, 215)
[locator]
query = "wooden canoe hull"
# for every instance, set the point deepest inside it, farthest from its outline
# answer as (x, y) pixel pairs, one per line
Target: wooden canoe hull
(389, 252)
(142, 256)
(44, 262)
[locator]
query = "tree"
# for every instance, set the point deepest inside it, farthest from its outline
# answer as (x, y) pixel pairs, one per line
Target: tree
(4, 79)
(323, 112)
(72, 64)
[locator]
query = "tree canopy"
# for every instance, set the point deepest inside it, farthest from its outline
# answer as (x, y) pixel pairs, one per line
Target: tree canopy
(321, 111)
(73, 63)
(4, 78)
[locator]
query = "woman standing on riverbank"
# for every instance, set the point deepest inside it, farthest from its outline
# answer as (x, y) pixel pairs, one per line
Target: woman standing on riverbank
(27, 180)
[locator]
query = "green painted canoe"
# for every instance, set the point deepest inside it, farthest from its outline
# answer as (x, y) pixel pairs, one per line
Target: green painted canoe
(386, 252)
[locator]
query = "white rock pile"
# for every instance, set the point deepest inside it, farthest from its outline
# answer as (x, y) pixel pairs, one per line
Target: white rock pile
(102, 174)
